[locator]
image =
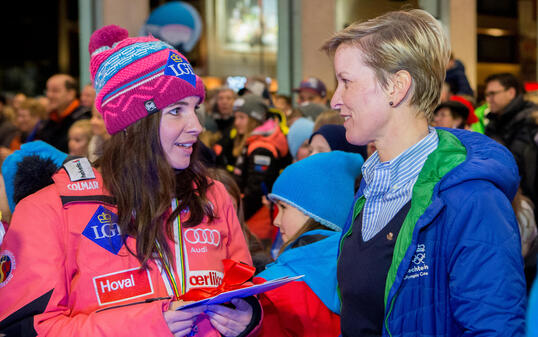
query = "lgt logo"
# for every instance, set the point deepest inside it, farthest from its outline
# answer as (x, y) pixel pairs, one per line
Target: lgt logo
(103, 229)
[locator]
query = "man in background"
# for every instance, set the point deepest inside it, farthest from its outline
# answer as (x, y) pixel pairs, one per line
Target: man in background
(65, 109)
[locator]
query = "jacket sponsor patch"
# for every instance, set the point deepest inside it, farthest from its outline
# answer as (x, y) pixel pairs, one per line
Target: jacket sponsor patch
(205, 236)
(122, 285)
(7, 267)
(79, 169)
(180, 68)
(419, 266)
(205, 278)
(103, 229)
(262, 160)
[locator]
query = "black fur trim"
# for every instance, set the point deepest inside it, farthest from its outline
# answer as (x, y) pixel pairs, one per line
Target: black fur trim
(33, 173)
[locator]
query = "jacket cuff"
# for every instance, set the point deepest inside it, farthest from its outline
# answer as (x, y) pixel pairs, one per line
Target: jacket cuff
(256, 319)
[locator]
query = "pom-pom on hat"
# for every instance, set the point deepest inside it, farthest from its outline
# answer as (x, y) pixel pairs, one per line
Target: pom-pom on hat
(135, 77)
(321, 186)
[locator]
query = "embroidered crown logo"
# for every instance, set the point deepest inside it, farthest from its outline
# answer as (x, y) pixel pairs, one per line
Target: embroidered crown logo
(104, 217)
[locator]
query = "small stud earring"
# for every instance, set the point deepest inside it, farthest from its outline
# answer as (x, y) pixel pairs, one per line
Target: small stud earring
(391, 103)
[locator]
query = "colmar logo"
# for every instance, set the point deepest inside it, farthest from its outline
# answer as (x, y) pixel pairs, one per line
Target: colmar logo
(122, 285)
(84, 185)
(205, 278)
(7, 266)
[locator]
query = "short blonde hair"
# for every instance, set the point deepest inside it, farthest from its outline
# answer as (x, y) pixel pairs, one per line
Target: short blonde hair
(402, 40)
(85, 126)
(327, 117)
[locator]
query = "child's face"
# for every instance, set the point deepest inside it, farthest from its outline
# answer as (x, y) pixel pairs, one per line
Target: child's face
(78, 142)
(443, 118)
(289, 219)
(241, 122)
(98, 124)
(319, 144)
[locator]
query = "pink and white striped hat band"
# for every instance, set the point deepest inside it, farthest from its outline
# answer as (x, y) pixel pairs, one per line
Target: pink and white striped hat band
(137, 76)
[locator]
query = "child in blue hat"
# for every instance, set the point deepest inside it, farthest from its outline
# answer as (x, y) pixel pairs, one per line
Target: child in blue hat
(314, 197)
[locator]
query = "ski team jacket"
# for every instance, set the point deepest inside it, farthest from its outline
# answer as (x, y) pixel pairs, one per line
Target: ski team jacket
(259, 165)
(310, 305)
(457, 268)
(70, 274)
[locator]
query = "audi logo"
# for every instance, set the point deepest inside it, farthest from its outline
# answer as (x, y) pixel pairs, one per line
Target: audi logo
(202, 235)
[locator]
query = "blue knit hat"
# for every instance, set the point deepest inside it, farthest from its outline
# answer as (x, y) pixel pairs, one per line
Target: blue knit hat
(321, 186)
(11, 164)
(299, 131)
(335, 135)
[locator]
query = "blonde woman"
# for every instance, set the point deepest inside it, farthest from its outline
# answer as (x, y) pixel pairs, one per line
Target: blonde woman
(431, 247)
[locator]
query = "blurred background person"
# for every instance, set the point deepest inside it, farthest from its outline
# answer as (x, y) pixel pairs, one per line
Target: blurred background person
(283, 103)
(262, 152)
(8, 130)
(29, 120)
(99, 136)
(258, 251)
(298, 135)
(457, 79)
(328, 117)
(511, 123)
(451, 114)
(87, 96)
(332, 137)
(311, 90)
(79, 136)
(65, 109)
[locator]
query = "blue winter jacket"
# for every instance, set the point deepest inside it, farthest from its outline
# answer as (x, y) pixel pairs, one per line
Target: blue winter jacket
(457, 268)
(316, 261)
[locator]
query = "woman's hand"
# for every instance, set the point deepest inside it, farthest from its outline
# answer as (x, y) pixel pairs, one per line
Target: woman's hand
(180, 322)
(230, 322)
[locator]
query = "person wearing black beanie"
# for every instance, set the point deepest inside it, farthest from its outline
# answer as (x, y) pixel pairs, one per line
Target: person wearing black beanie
(332, 137)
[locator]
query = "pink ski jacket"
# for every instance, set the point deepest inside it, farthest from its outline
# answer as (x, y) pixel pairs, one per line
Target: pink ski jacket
(64, 270)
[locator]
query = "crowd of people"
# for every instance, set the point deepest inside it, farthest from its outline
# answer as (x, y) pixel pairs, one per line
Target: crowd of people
(407, 205)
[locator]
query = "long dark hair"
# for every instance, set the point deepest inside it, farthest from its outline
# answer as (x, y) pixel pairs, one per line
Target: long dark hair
(135, 171)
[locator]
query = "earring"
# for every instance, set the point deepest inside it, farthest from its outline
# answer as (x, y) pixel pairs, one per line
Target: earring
(391, 103)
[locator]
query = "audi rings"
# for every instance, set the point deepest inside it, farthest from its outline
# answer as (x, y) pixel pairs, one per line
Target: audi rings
(203, 235)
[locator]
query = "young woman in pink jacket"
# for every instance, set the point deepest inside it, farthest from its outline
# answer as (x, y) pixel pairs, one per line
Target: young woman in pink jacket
(114, 251)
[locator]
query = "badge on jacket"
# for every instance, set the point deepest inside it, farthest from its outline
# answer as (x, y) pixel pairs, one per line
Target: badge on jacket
(103, 229)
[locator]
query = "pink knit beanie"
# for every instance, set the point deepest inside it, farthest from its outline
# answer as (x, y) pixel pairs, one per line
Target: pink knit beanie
(135, 77)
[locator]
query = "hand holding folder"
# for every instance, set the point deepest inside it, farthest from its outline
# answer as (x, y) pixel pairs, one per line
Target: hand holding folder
(227, 296)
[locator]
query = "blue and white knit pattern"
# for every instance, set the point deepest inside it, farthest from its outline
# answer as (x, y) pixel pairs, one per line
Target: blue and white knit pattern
(124, 57)
(133, 84)
(389, 185)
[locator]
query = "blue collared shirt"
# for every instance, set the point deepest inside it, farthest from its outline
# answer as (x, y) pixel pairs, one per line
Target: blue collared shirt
(389, 185)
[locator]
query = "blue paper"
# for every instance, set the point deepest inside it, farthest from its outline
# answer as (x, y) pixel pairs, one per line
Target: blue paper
(243, 292)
